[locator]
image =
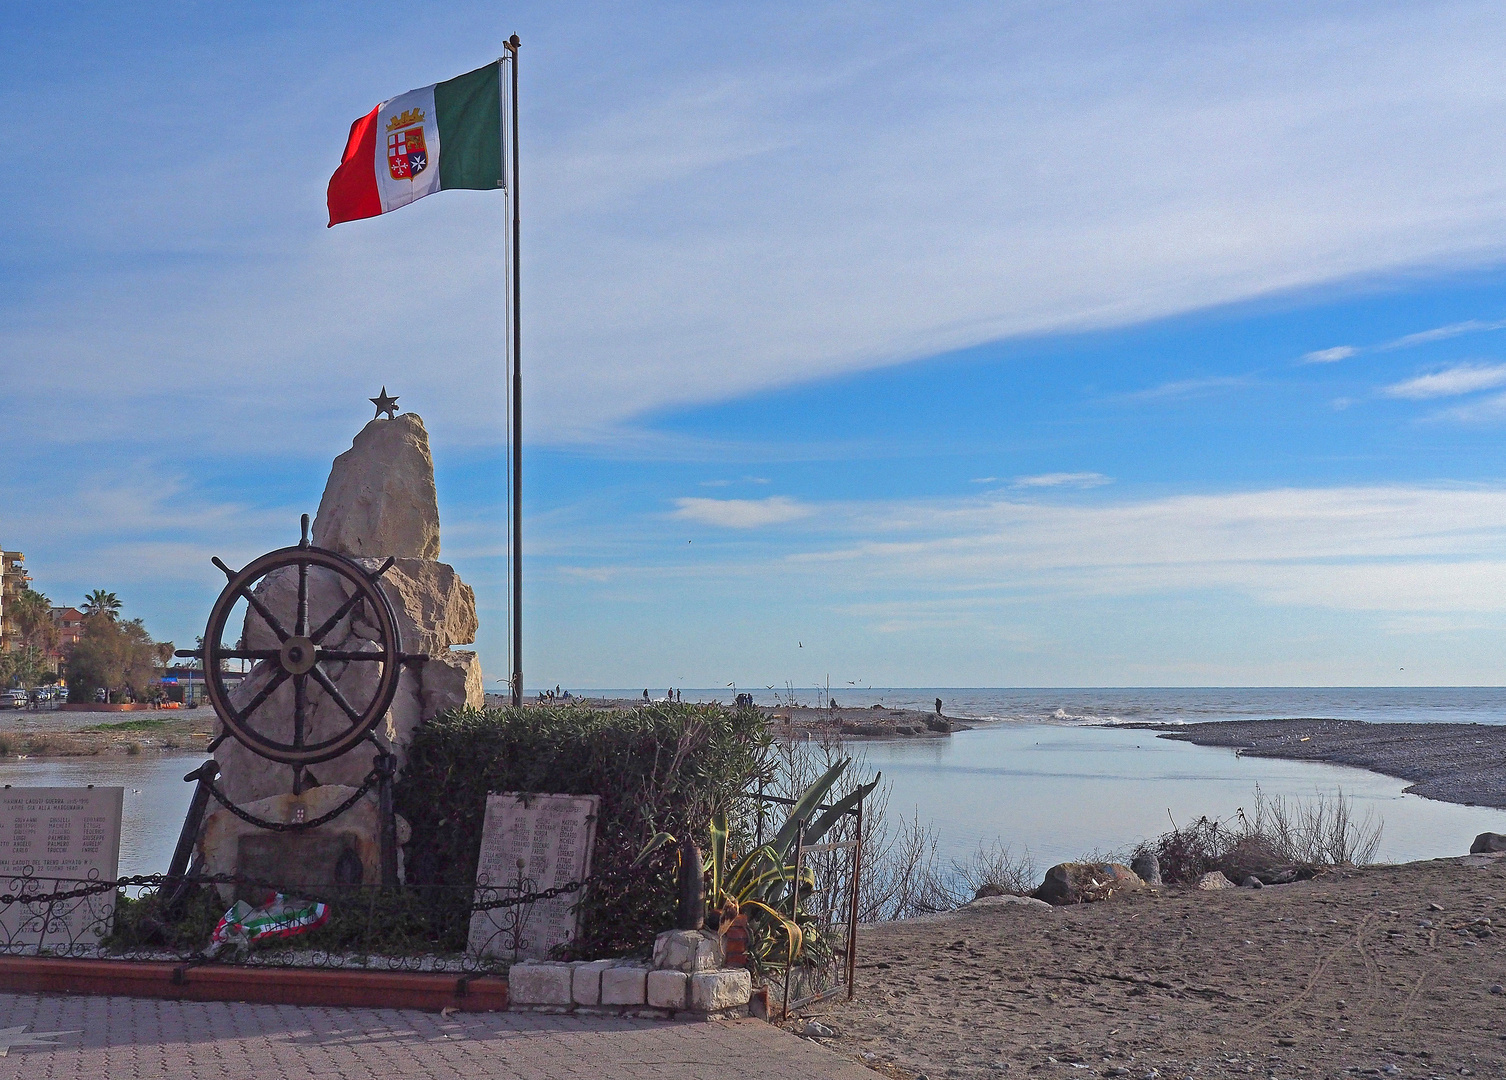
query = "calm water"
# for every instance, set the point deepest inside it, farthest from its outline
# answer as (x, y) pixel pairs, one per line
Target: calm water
(1053, 775)
(1175, 705)
(156, 798)
(1062, 791)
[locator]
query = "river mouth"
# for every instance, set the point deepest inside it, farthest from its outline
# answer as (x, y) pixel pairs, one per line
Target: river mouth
(1059, 791)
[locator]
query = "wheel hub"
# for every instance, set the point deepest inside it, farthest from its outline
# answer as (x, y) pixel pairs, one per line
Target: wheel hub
(298, 655)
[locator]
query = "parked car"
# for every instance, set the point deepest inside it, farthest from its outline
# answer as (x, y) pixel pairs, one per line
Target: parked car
(16, 699)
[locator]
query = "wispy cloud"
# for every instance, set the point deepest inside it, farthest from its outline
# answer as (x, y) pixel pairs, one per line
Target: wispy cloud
(1450, 382)
(741, 513)
(1189, 388)
(1441, 333)
(1063, 479)
(984, 480)
(1487, 410)
(1330, 356)
(1407, 341)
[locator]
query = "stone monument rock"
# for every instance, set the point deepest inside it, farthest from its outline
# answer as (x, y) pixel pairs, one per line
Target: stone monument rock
(379, 502)
(380, 499)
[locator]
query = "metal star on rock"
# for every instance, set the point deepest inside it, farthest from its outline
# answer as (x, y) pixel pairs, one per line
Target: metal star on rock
(385, 404)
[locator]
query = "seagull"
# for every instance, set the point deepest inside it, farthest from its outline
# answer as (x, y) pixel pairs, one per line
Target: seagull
(13, 1036)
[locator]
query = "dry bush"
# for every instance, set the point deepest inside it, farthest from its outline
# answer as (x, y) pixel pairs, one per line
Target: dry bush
(1281, 832)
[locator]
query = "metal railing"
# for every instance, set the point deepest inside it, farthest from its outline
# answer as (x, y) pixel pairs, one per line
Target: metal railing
(812, 982)
(418, 928)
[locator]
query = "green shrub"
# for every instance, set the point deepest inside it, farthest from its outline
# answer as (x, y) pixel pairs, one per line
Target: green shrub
(658, 767)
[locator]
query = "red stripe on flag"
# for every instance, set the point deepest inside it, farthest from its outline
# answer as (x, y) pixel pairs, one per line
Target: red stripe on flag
(353, 189)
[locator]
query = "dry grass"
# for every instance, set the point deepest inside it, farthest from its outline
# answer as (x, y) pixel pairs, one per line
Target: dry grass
(1280, 832)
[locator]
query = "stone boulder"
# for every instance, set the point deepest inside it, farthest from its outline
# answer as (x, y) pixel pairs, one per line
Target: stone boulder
(1488, 842)
(380, 499)
(343, 852)
(1086, 883)
(379, 502)
(1214, 880)
(1147, 867)
(435, 609)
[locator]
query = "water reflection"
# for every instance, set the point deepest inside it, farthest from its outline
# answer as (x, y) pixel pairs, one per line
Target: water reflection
(156, 798)
(1065, 791)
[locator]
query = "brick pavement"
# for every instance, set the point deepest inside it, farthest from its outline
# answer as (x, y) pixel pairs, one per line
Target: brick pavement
(145, 1039)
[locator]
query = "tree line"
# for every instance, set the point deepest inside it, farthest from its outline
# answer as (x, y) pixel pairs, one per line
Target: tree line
(112, 653)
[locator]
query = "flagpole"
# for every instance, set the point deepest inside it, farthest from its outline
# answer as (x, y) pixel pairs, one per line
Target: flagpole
(517, 406)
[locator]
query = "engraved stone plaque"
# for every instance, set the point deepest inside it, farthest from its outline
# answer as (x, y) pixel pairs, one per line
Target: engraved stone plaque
(530, 843)
(53, 839)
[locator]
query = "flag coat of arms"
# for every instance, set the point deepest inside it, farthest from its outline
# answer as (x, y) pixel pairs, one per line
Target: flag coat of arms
(448, 135)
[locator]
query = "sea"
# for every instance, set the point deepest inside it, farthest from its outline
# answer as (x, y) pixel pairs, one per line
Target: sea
(1052, 772)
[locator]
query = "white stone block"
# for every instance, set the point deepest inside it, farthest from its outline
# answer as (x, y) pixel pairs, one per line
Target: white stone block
(687, 950)
(713, 991)
(534, 983)
(668, 989)
(624, 985)
(585, 983)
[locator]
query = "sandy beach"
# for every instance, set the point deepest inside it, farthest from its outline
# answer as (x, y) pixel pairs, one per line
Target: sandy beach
(1461, 763)
(1381, 971)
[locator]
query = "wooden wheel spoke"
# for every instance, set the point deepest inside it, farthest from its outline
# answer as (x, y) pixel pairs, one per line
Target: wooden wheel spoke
(329, 623)
(303, 600)
(267, 616)
(347, 655)
(334, 692)
(247, 654)
(278, 678)
(300, 707)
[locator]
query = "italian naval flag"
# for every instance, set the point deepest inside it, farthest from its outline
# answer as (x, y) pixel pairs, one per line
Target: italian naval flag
(448, 135)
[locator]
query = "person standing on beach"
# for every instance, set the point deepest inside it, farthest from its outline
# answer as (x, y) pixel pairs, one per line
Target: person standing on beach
(938, 706)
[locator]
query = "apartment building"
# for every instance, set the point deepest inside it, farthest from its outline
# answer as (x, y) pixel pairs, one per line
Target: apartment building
(70, 626)
(13, 579)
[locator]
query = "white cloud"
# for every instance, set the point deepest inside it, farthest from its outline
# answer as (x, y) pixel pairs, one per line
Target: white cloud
(1450, 382)
(741, 513)
(1442, 333)
(984, 480)
(1188, 388)
(734, 219)
(1063, 479)
(1484, 411)
(1403, 549)
(1330, 356)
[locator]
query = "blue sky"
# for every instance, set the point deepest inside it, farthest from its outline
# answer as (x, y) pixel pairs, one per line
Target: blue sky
(1014, 345)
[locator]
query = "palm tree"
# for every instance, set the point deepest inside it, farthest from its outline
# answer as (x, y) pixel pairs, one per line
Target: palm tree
(103, 603)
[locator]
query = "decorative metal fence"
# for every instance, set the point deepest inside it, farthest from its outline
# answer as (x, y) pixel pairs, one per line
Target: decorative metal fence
(166, 918)
(830, 907)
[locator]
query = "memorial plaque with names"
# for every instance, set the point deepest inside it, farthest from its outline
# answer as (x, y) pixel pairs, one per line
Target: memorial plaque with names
(529, 843)
(52, 838)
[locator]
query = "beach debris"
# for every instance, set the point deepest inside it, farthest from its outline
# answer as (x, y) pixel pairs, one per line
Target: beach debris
(1086, 883)
(814, 1029)
(1214, 879)
(1435, 906)
(1147, 868)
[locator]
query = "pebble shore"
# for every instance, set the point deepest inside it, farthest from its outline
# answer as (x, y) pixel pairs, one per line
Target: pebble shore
(1458, 763)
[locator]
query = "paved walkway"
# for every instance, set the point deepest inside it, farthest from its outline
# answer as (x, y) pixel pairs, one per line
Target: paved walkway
(45, 1035)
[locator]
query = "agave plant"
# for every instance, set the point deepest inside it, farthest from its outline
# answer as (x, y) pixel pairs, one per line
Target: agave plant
(762, 883)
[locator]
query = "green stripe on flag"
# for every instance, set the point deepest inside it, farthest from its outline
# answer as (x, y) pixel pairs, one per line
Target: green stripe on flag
(469, 112)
